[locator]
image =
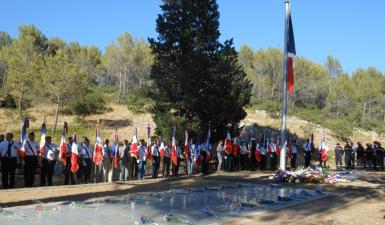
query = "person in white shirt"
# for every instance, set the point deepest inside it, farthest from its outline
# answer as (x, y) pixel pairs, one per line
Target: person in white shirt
(155, 158)
(307, 147)
(107, 161)
(49, 157)
(8, 153)
(31, 148)
(244, 156)
(86, 152)
(220, 155)
(141, 160)
(166, 160)
(294, 152)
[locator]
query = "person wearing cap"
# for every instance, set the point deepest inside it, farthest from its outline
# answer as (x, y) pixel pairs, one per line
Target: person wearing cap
(107, 161)
(379, 164)
(369, 155)
(360, 155)
(339, 152)
(348, 155)
(49, 157)
(31, 150)
(9, 153)
(125, 161)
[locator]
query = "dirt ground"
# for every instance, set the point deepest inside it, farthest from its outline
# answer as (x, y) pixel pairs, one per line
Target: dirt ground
(359, 202)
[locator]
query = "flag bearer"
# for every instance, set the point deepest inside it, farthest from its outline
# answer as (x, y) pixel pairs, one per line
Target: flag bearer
(294, 153)
(141, 160)
(272, 150)
(155, 159)
(107, 161)
(166, 160)
(87, 152)
(68, 175)
(49, 157)
(244, 165)
(31, 150)
(8, 153)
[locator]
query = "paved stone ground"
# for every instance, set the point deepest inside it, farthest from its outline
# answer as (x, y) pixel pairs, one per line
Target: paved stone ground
(359, 202)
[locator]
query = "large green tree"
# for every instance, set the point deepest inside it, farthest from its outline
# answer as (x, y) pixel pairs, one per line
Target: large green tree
(198, 79)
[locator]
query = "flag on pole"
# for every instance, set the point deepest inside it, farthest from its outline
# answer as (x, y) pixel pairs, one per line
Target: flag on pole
(98, 153)
(161, 149)
(174, 155)
(258, 153)
(208, 146)
(228, 143)
(186, 147)
(148, 149)
(23, 137)
(134, 145)
(63, 144)
(197, 157)
(290, 57)
(74, 155)
(115, 149)
(42, 139)
(324, 149)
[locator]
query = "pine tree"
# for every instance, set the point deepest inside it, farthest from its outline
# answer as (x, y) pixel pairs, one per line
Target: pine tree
(198, 79)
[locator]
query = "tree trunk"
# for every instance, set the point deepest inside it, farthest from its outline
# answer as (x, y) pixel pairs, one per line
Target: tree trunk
(363, 113)
(20, 103)
(120, 87)
(56, 113)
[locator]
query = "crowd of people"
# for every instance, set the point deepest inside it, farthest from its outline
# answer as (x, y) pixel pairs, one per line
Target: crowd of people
(123, 161)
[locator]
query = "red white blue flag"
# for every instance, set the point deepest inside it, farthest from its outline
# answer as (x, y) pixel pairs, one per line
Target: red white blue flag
(290, 57)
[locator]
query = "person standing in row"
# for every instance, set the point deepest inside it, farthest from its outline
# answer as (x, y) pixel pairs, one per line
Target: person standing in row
(361, 159)
(68, 175)
(349, 160)
(141, 160)
(107, 161)
(220, 151)
(339, 152)
(307, 147)
(166, 161)
(244, 165)
(294, 152)
(272, 150)
(253, 160)
(263, 152)
(175, 167)
(125, 161)
(155, 159)
(8, 153)
(31, 160)
(87, 153)
(379, 156)
(49, 156)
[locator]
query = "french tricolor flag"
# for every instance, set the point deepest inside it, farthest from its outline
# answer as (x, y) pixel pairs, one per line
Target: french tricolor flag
(23, 137)
(290, 57)
(74, 155)
(134, 144)
(98, 153)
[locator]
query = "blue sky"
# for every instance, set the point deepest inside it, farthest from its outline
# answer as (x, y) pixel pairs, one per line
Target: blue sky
(350, 30)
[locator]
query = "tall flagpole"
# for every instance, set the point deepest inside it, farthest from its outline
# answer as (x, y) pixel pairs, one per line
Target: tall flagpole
(282, 164)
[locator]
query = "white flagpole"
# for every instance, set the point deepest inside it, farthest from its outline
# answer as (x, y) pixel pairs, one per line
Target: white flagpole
(282, 164)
